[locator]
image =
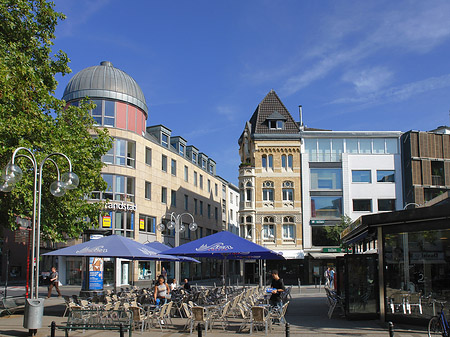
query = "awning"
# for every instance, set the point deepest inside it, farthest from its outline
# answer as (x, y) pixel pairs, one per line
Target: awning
(325, 255)
(292, 254)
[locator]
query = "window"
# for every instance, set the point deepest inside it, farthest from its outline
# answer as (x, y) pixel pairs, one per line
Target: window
(122, 153)
(148, 190)
(120, 188)
(290, 162)
(287, 162)
(209, 211)
(268, 194)
(201, 207)
(288, 194)
(201, 181)
(437, 173)
(288, 228)
(186, 173)
(194, 157)
(231, 198)
(284, 161)
(148, 156)
(195, 206)
(324, 153)
(320, 237)
(203, 163)
(123, 224)
(164, 140)
(195, 179)
(326, 207)
(361, 176)
(391, 145)
(209, 186)
(386, 205)
(237, 200)
(173, 167)
(216, 213)
(147, 223)
(385, 176)
(268, 232)
(181, 150)
(216, 188)
(352, 145)
(365, 146)
(231, 214)
(164, 195)
(173, 198)
(362, 205)
(267, 161)
(164, 163)
(186, 202)
(248, 191)
(274, 124)
(378, 145)
(104, 112)
(326, 178)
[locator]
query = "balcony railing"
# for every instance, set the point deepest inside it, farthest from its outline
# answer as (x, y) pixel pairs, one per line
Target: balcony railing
(437, 180)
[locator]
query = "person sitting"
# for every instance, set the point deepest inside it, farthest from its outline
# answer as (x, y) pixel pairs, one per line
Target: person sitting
(161, 290)
(173, 285)
(186, 285)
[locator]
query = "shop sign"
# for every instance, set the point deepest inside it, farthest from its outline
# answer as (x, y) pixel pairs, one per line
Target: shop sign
(317, 222)
(332, 250)
(141, 224)
(106, 221)
(121, 207)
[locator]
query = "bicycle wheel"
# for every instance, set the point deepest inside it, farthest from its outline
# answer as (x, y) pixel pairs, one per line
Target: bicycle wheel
(434, 327)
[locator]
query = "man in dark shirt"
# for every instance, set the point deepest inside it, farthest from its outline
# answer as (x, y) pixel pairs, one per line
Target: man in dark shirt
(54, 282)
(187, 286)
(278, 288)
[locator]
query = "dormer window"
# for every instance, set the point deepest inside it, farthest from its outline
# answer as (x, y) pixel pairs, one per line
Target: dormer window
(164, 140)
(276, 125)
(182, 150)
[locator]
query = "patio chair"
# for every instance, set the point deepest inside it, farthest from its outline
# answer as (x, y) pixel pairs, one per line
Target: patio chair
(139, 317)
(221, 316)
(188, 314)
(414, 300)
(277, 314)
(397, 302)
(199, 316)
(160, 316)
(246, 316)
(261, 317)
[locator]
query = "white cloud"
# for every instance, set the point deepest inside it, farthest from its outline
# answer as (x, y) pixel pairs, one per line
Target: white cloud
(399, 93)
(368, 80)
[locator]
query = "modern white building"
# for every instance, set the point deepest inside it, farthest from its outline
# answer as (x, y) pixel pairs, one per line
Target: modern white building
(345, 173)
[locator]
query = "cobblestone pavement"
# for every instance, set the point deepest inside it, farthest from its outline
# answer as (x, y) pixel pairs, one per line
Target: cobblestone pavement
(307, 316)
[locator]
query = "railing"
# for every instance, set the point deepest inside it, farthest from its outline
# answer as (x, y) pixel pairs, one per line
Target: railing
(437, 180)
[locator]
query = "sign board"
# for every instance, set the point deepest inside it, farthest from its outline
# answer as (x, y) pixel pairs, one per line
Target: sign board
(95, 273)
(332, 250)
(106, 221)
(317, 222)
(141, 224)
(22, 235)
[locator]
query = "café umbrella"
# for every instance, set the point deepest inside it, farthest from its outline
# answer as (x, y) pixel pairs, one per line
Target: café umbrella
(224, 246)
(161, 247)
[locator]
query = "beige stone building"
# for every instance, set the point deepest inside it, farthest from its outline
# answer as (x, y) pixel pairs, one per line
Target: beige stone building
(270, 211)
(150, 174)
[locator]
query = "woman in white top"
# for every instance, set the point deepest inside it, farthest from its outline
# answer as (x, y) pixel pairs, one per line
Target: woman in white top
(174, 284)
(161, 289)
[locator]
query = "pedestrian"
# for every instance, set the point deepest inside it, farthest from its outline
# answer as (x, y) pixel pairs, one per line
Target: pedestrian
(332, 277)
(186, 285)
(162, 290)
(277, 286)
(54, 282)
(327, 276)
(164, 273)
(173, 285)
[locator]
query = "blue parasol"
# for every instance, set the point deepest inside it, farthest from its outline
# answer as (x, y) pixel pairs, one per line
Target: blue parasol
(161, 248)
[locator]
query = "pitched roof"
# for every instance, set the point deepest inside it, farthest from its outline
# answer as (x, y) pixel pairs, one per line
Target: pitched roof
(272, 108)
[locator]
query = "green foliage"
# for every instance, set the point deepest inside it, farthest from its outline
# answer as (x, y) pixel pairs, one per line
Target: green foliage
(30, 116)
(333, 232)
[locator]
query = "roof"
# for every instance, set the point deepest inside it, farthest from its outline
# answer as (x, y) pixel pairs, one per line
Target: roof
(271, 107)
(105, 81)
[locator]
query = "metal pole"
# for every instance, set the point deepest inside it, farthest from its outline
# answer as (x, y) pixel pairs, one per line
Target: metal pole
(177, 243)
(53, 329)
(8, 253)
(121, 330)
(391, 329)
(288, 332)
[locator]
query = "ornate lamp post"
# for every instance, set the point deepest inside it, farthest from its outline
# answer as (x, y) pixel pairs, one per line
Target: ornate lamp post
(176, 224)
(12, 174)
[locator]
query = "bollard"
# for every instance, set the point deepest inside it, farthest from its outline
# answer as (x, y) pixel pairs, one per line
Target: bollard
(299, 286)
(288, 332)
(199, 330)
(391, 329)
(121, 330)
(53, 329)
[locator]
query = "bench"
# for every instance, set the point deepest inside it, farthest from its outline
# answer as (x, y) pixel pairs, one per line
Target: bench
(81, 319)
(12, 304)
(334, 301)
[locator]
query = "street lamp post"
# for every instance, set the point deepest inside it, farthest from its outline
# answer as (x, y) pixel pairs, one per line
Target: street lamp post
(176, 224)
(12, 174)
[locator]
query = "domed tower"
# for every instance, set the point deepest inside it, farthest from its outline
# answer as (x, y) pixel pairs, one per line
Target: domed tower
(119, 99)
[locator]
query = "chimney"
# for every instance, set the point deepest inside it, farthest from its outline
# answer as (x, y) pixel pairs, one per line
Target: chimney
(300, 111)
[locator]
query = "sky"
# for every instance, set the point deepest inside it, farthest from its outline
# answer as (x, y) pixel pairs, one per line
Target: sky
(204, 65)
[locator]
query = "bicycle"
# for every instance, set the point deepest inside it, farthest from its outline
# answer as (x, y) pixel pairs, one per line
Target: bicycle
(438, 325)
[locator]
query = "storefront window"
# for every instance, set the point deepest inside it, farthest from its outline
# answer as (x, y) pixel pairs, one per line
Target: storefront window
(73, 270)
(417, 266)
(326, 207)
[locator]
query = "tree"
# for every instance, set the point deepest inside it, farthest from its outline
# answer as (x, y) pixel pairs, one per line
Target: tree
(334, 232)
(30, 116)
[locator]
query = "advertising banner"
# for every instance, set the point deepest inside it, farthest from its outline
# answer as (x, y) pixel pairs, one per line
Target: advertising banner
(95, 273)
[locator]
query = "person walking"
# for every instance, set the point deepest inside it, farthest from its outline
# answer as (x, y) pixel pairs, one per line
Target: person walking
(277, 286)
(54, 282)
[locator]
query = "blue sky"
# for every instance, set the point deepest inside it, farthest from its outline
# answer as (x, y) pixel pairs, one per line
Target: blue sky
(204, 66)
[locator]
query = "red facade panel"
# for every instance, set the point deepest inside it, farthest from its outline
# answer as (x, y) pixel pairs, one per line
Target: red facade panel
(131, 118)
(121, 115)
(140, 118)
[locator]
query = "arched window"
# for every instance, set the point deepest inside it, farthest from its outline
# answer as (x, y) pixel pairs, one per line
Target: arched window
(288, 228)
(268, 190)
(268, 232)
